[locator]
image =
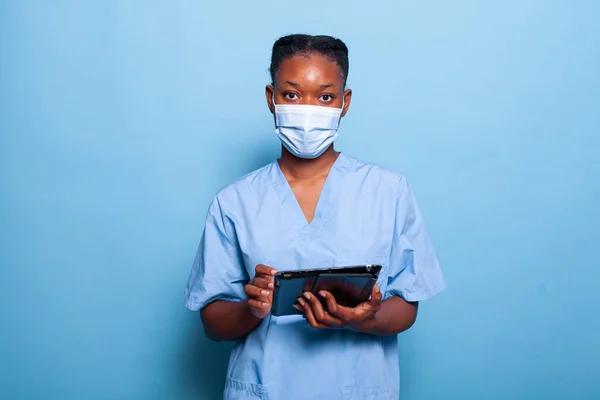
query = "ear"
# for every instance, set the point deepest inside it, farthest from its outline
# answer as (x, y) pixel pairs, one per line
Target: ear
(269, 93)
(347, 99)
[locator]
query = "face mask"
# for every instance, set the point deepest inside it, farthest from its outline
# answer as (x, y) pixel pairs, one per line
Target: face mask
(306, 131)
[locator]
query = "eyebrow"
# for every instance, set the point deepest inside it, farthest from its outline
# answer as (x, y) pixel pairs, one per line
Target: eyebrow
(296, 85)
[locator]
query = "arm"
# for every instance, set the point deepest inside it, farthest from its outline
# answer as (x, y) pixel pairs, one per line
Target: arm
(395, 315)
(413, 272)
(231, 303)
(228, 320)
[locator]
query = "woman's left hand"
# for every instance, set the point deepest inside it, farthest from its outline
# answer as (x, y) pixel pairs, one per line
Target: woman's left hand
(360, 318)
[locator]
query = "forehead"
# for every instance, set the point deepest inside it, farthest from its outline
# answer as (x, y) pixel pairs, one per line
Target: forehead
(309, 68)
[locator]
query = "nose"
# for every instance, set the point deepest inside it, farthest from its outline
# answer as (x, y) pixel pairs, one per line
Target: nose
(309, 101)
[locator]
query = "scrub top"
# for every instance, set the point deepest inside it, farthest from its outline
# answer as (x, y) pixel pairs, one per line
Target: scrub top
(366, 214)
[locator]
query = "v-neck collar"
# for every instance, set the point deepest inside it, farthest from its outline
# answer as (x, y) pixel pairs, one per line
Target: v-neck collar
(325, 204)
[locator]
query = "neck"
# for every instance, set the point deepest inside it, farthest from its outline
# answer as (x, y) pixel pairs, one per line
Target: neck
(303, 169)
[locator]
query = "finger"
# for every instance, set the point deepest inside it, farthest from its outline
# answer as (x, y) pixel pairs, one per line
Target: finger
(309, 315)
(345, 314)
(258, 304)
(332, 305)
(319, 313)
(316, 307)
(376, 297)
(257, 293)
(265, 270)
(339, 314)
(264, 283)
(336, 310)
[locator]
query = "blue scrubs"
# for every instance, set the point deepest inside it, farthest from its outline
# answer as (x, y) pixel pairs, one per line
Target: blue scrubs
(366, 215)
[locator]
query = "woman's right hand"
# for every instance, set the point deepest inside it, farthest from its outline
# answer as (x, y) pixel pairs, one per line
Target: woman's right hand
(260, 291)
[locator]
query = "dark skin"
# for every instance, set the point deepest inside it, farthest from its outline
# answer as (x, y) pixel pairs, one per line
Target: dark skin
(315, 80)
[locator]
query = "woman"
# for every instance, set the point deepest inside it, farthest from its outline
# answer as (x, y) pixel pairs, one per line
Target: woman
(312, 208)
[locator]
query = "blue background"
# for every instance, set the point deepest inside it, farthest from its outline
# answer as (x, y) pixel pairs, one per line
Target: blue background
(120, 120)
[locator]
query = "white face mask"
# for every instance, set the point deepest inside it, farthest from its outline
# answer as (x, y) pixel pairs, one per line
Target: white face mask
(306, 131)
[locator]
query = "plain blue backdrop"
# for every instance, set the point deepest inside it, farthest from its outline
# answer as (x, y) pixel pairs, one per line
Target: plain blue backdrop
(120, 120)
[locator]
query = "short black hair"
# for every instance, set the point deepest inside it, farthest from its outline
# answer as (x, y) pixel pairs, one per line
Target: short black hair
(292, 45)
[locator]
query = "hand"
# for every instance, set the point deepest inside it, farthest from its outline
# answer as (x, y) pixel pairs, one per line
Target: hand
(360, 318)
(260, 291)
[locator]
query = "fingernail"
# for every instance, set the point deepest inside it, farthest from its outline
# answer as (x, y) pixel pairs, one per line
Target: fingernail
(307, 295)
(273, 272)
(322, 293)
(376, 288)
(264, 292)
(270, 285)
(265, 305)
(301, 301)
(297, 307)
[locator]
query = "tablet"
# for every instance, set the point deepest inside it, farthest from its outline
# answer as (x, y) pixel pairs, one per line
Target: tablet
(349, 285)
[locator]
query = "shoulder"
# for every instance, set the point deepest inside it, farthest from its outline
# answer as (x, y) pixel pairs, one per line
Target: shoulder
(380, 174)
(249, 185)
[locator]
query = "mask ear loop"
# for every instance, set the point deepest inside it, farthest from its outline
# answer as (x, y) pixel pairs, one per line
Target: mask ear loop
(274, 108)
(340, 117)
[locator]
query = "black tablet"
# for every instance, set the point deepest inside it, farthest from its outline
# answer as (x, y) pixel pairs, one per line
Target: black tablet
(349, 285)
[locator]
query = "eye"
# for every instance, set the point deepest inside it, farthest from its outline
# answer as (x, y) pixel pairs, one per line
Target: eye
(326, 98)
(290, 96)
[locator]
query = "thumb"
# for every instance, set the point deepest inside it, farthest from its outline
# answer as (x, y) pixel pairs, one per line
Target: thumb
(376, 296)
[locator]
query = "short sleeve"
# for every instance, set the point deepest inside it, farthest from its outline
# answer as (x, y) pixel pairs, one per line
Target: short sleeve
(218, 271)
(414, 270)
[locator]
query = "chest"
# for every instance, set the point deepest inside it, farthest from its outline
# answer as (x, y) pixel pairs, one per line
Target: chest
(307, 195)
(351, 225)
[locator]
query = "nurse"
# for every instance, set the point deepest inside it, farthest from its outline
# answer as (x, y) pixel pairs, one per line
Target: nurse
(312, 208)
